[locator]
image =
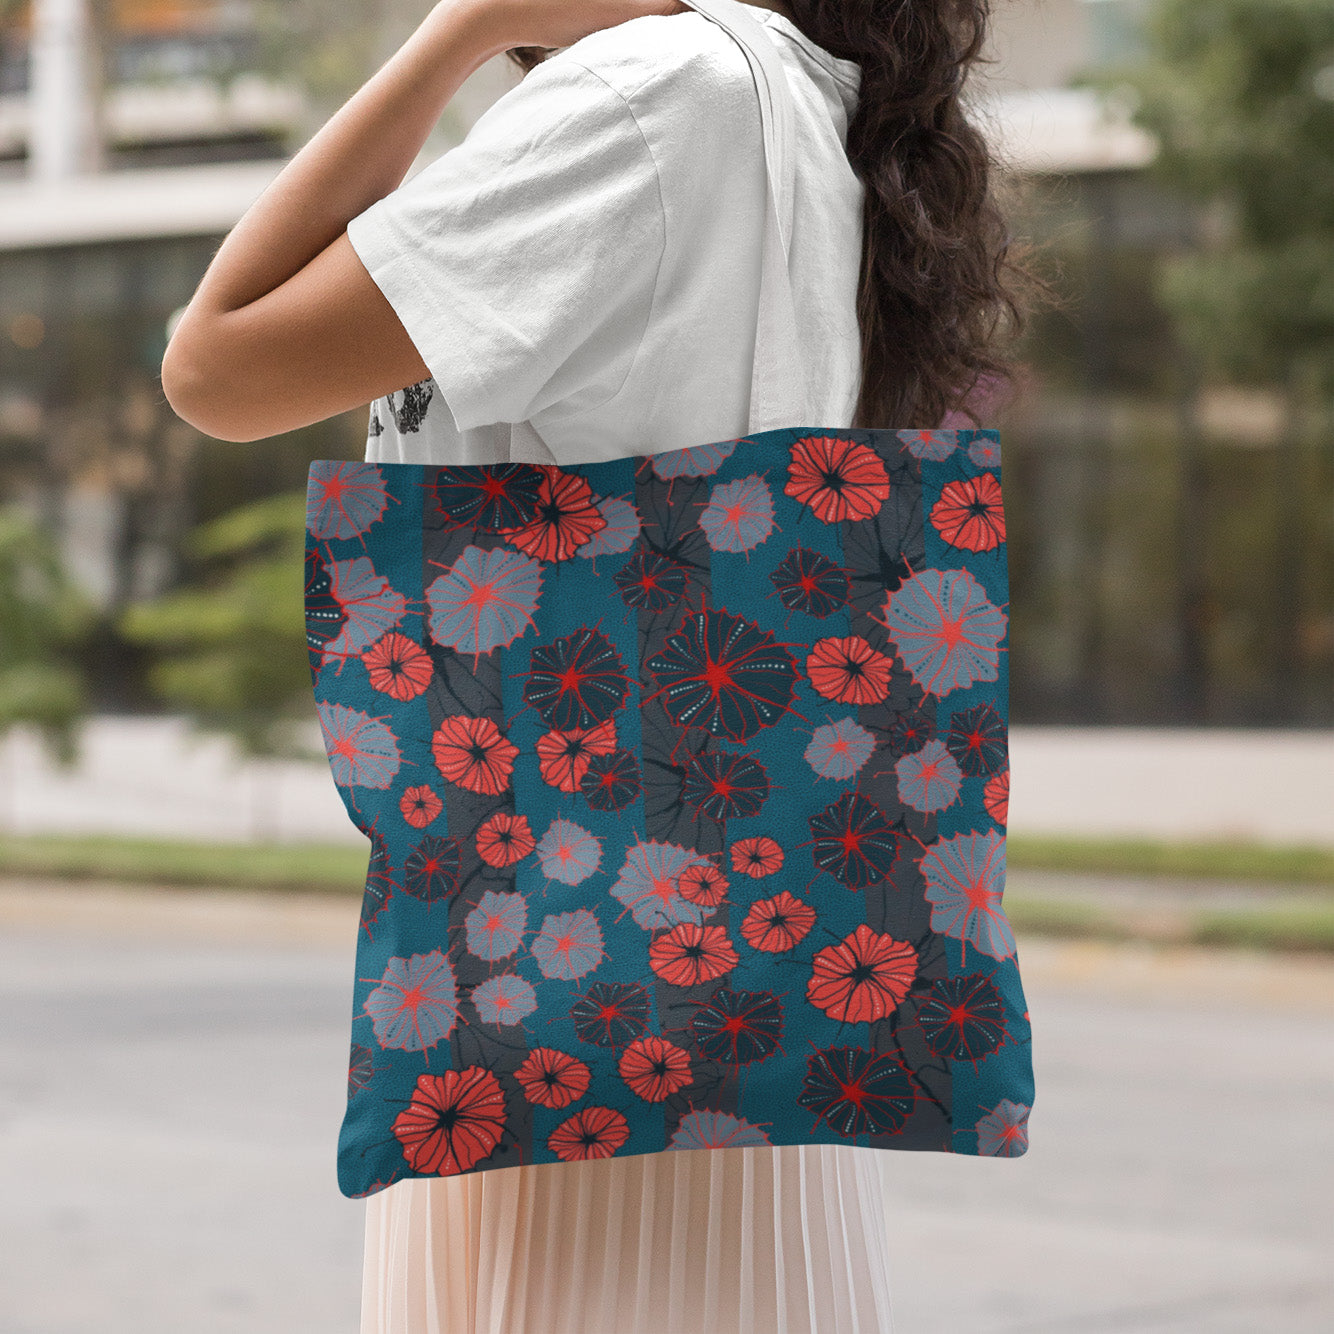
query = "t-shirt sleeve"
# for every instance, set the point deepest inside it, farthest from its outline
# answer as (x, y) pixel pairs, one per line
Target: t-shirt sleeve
(523, 261)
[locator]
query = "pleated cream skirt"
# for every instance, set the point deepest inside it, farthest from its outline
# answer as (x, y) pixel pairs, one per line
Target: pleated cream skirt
(787, 1240)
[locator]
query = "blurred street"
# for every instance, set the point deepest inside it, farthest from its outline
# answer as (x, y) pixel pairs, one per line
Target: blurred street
(172, 1089)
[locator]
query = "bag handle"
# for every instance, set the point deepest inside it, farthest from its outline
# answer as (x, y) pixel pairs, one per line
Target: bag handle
(778, 393)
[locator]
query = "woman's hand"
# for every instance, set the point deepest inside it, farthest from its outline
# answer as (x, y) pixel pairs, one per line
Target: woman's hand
(553, 23)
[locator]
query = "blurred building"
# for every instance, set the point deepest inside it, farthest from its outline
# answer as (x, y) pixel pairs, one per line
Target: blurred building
(134, 133)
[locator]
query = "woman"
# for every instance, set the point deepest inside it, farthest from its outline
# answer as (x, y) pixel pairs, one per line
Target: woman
(579, 281)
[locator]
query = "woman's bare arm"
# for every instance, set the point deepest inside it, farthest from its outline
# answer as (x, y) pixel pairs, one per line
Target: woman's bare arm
(286, 327)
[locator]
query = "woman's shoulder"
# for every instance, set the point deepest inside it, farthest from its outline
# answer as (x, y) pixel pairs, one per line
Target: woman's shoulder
(673, 61)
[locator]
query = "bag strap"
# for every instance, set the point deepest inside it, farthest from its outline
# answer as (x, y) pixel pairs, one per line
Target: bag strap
(778, 393)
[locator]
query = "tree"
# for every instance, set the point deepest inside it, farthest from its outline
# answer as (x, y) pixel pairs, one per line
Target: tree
(1240, 96)
(44, 620)
(329, 49)
(230, 646)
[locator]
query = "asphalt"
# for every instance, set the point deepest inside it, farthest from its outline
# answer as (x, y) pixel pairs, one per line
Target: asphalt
(172, 1078)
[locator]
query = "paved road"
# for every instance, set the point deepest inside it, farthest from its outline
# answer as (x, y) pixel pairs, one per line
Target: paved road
(170, 1092)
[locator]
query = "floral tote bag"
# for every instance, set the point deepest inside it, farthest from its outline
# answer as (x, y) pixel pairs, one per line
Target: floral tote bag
(685, 778)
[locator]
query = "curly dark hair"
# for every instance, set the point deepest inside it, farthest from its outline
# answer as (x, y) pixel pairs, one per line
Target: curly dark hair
(945, 289)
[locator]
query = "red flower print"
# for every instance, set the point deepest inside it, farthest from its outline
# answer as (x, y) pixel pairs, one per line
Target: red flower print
(592, 1132)
(563, 756)
(777, 924)
(655, 1068)
(505, 839)
(756, 857)
(837, 479)
(863, 978)
(969, 513)
(420, 805)
(702, 884)
(472, 753)
(689, 953)
(453, 1121)
(996, 796)
(398, 666)
(553, 1078)
(567, 517)
(849, 671)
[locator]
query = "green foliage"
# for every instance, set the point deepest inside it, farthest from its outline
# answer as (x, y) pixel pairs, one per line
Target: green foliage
(1240, 96)
(328, 49)
(230, 650)
(44, 620)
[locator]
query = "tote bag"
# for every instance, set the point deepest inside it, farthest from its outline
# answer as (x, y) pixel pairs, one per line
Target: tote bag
(685, 778)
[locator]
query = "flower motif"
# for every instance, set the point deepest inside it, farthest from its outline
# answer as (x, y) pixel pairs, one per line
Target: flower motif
(398, 666)
(840, 750)
(568, 853)
(472, 753)
(756, 857)
(965, 880)
(777, 924)
(505, 839)
(553, 1078)
(496, 925)
(857, 1092)
(431, 871)
(1003, 1131)
(849, 670)
(837, 479)
(725, 787)
(453, 1121)
(415, 1004)
(611, 782)
(739, 515)
(563, 756)
(654, 1068)
(969, 513)
(485, 600)
(567, 516)
(592, 1132)
(865, 977)
(420, 805)
(929, 778)
(811, 583)
(723, 674)
(963, 1018)
(488, 497)
(577, 681)
(343, 498)
(651, 582)
(690, 953)
(945, 629)
(569, 944)
(853, 841)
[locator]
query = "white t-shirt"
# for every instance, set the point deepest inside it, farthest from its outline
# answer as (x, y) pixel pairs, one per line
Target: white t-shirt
(581, 273)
